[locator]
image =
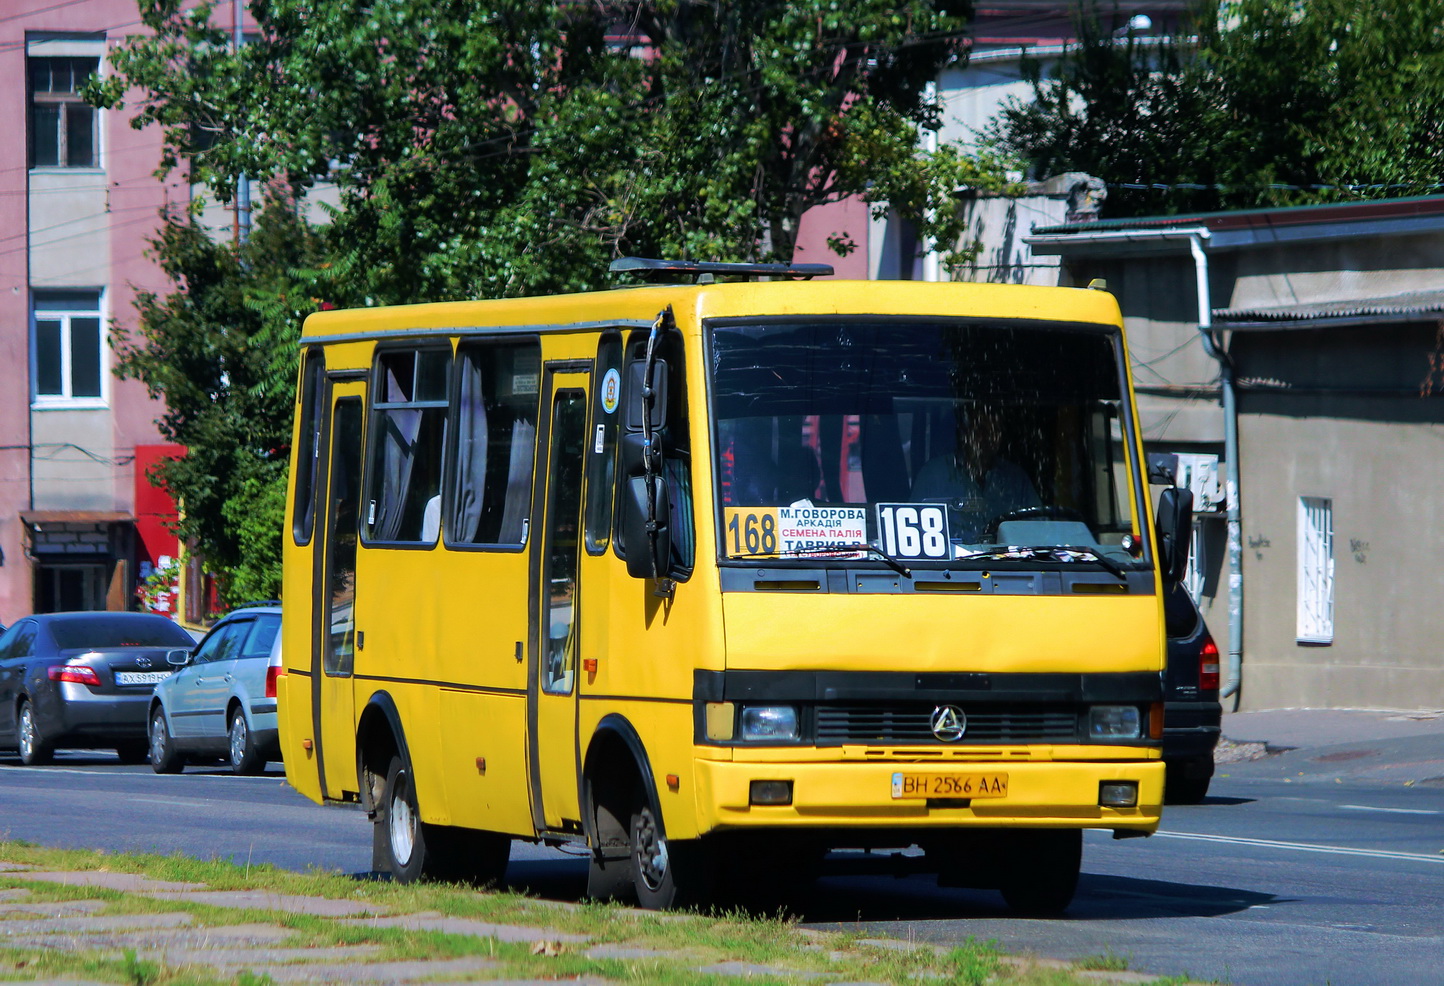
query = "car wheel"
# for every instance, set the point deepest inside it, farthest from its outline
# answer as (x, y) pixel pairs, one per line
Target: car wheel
(138, 752)
(164, 757)
(35, 750)
(1181, 789)
(244, 757)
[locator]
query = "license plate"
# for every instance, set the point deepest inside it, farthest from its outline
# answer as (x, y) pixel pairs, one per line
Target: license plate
(140, 677)
(990, 785)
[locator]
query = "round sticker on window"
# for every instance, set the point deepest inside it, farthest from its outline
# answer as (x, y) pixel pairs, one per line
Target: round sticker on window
(611, 390)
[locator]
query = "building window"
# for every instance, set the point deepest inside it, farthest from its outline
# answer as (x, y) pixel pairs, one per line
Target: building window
(62, 125)
(68, 348)
(1316, 570)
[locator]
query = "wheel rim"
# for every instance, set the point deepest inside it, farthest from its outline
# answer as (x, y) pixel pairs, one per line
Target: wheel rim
(401, 823)
(27, 733)
(650, 851)
(158, 742)
(238, 740)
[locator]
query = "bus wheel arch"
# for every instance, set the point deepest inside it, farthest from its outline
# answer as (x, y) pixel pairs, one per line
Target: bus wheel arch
(631, 856)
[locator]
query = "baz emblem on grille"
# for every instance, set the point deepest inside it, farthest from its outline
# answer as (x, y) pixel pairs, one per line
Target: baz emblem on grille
(948, 723)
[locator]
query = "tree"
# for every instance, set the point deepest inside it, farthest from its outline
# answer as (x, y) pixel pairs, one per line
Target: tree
(517, 146)
(490, 150)
(1256, 103)
(218, 352)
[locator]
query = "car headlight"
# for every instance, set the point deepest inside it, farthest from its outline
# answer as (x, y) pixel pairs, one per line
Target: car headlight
(1107, 722)
(766, 723)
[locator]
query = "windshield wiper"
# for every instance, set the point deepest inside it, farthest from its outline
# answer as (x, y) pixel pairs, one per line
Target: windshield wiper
(835, 549)
(1053, 551)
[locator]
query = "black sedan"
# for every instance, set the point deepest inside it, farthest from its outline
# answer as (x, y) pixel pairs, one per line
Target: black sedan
(82, 680)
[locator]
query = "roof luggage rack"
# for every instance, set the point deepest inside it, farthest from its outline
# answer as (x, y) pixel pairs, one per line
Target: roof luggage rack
(703, 271)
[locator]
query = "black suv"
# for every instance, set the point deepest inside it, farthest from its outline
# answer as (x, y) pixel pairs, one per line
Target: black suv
(1191, 713)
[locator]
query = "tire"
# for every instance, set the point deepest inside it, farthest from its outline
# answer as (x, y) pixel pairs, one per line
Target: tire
(410, 849)
(164, 757)
(667, 875)
(243, 756)
(1044, 874)
(35, 749)
(1182, 789)
(402, 837)
(609, 873)
(133, 752)
(460, 855)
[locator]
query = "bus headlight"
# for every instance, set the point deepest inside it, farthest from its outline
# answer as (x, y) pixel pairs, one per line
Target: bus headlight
(768, 723)
(1107, 722)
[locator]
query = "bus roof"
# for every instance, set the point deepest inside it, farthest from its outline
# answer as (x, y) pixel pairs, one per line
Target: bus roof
(692, 303)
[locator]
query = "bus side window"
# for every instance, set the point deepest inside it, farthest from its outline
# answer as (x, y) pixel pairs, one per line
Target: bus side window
(408, 428)
(602, 453)
(497, 394)
(308, 456)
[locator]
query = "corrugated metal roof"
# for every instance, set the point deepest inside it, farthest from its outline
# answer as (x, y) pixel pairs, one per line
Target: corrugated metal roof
(1417, 206)
(1394, 308)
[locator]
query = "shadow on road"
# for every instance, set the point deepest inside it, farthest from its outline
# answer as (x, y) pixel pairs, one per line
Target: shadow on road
(847, 894)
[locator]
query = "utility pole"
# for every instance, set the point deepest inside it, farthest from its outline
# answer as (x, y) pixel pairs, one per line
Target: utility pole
(243, 184)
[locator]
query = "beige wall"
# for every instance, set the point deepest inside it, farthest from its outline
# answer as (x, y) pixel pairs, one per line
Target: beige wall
(67, 478)
(1384, 478)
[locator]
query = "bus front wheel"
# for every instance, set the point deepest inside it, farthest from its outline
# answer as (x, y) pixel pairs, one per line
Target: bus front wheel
(1042, 878)
(666, 874)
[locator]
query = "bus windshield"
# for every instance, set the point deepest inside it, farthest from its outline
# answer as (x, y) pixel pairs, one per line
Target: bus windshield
(926, 440)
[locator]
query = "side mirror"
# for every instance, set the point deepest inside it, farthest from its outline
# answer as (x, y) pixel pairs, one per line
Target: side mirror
(635, 535)
(1174, 527)
(178, 658)
(636, 404)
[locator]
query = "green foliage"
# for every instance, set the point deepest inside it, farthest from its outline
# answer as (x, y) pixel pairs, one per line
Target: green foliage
(492, 150)
(517, 146)
(220, 352)
(1257, 103)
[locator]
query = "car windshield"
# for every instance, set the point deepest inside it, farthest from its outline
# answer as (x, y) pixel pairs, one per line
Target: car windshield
(119, 630)
(925, 440)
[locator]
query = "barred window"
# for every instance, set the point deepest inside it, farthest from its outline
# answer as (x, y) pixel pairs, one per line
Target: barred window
(1316, 570)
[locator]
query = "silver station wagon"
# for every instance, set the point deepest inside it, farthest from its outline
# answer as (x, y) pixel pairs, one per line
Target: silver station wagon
(221, 702)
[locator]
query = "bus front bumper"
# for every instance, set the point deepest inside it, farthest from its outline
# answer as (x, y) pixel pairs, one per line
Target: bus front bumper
(861, 795)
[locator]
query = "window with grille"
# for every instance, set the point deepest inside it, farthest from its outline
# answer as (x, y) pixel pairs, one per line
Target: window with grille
(1316, 570)
(62, 124)
(67, 348)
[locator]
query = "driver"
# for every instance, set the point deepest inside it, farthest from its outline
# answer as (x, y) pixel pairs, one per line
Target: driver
(975, 478)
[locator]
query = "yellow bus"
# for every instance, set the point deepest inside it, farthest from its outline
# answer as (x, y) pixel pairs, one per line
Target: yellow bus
(720, 572)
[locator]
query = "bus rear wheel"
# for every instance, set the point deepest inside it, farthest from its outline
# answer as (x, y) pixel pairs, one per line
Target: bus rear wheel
(412, 849)
(1043, 876)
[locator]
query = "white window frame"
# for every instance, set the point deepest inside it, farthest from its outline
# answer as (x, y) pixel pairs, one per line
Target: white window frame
(66, 398)
(1315, 624)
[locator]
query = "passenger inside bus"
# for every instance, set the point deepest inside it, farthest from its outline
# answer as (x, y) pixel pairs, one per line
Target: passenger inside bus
(976, 477)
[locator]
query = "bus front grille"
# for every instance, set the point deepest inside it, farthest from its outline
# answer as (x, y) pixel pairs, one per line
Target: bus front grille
(838, 724)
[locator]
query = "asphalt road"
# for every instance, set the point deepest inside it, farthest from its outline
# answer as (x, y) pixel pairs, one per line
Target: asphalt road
(1282, 878)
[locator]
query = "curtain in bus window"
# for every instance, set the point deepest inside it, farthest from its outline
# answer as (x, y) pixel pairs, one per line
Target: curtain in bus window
(399, 431)
(518, 484)
(471, 449)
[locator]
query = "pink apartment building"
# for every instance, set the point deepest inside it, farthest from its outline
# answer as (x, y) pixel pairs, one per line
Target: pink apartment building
(79, 524)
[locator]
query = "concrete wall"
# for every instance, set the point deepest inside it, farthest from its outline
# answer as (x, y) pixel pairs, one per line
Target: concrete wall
(1383, 478)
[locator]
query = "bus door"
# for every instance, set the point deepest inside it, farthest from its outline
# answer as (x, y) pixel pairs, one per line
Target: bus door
(555, 602)
(333, 636)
